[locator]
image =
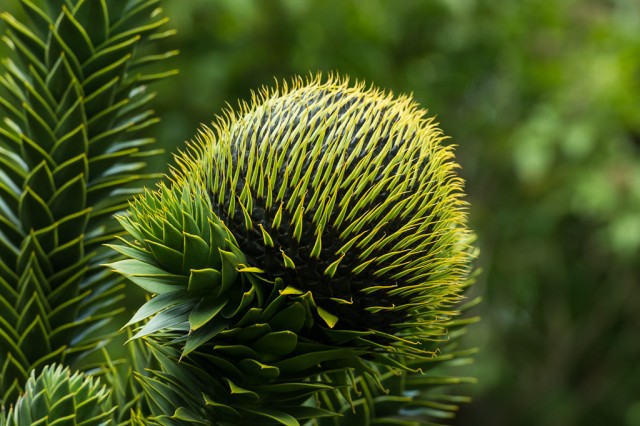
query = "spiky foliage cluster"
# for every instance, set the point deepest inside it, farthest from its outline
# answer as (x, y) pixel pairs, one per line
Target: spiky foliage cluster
(213, 313)
(71, 153)
(57, 397)
(316, 233)
(409, 398)
(348, 194)
(119, 375)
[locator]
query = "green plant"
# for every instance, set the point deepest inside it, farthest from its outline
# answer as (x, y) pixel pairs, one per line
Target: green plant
(72, 152)
(316, 236)
(58, 397)
(304, 263)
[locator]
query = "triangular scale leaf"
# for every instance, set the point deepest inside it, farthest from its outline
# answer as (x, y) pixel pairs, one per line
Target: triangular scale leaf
(158, 303)
(73, 118)
(37, 16)
(74, 35)
(25, 54)
(72, 168)
(58, 78)
(229, 271)
(278, 343)
(198, 337)
(237, 390)
(35, 339)
(274, 415)
(149, 277)
(253, 368)
(34, 212)
(38, 129)
(312, 359)
(167, 319)
(40, 179)
(96, 100)
(72, 225)
(136, 16)
(68, 254)
(33, 154)
(205, 282)
(106, 76)
(291, 318)
(168, 258)
(93, 16)
(69, 198)
(134, 252)
(205, 311)
(196, 253)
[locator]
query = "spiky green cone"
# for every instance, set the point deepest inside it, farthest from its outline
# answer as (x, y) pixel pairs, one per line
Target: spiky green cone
(336, 202)
(57, 397)
(71, 154)
(346, 194)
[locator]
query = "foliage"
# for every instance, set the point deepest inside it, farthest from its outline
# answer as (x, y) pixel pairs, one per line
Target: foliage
(58, 397)
(72, 152)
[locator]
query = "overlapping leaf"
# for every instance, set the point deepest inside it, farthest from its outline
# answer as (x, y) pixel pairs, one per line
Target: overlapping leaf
(409, 398)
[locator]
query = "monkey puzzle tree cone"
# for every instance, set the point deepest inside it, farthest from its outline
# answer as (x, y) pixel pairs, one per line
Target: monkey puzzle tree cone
(345, 193)
(319, 228)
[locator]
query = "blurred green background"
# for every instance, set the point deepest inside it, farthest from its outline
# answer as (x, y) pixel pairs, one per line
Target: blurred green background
(542, 98)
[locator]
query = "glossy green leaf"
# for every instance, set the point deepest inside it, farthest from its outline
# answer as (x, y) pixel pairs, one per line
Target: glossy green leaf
(74, 35)
(25, 54)
(291, 319)
(229, 271)
(330, 319)
(34, 212)
(275, 415)
(255, 369)
(38, 130)
(157, 304)
(150, 278)
(277, 343)
(40, 179)
(26, 36)
(206, 282)
(72, 225)
(33, 154)
(69, 198)
(204, 334)
(73, 118)
(196, 253)
(167, 319)
(237, 390)
(205, 311)
(93, 16)
(39, 18)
